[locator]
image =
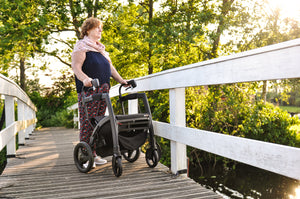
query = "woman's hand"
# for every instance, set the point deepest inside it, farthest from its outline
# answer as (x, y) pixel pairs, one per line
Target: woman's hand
(87, 82)
(123, 82)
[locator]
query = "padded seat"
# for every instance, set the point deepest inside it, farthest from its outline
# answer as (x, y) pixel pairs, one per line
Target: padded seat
(133, 122)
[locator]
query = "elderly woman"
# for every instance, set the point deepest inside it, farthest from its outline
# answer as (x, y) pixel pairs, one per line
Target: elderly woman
(89, 61)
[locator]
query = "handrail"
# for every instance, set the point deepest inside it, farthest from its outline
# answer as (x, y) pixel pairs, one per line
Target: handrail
(26, 117)
(279, 61)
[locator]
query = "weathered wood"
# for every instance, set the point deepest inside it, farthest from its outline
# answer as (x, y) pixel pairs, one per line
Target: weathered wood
(10, 88)
(26, 115)
(9, 120)
(280, 159)
(21, 117)
(10, 131)
(44, 168)
(278, 61)
(177, 117)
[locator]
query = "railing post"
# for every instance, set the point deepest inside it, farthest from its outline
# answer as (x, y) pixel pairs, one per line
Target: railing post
(27, 117)
(10, 119)
(21, 117)
(133, 106)
(31, 127)
(178, 118)
(34, 116)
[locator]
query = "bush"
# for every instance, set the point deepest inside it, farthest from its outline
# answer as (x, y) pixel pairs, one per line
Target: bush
(270, 124)
(61, 118)
(3, 160)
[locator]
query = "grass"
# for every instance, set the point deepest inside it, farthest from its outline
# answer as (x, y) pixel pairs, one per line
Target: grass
(291, 109)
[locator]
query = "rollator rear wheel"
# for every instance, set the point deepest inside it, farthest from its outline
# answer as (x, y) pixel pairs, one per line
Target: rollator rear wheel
(117, 166)
(83, 154)
(132, 155)
(152, 157)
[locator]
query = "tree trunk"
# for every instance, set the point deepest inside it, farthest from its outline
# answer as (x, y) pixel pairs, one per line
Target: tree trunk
(150, 67)
(226, 7)
(22, 74)
(264, 91)
(75, 22)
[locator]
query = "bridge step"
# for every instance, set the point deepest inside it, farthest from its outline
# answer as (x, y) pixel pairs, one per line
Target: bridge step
(44, 168)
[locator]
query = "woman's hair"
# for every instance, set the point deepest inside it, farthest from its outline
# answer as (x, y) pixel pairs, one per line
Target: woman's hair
(89, 24)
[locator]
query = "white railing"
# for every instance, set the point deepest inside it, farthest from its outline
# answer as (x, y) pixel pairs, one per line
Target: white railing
(280, 61)
(26, 116)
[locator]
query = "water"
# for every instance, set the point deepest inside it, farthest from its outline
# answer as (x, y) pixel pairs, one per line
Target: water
(244, 181)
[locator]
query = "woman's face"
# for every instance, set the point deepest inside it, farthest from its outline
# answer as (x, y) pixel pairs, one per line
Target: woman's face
(95, 33)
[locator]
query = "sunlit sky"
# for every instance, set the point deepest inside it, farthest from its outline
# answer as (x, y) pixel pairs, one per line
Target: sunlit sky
(289, 8)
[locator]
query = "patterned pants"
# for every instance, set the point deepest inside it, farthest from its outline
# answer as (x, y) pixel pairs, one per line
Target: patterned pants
(94, 108)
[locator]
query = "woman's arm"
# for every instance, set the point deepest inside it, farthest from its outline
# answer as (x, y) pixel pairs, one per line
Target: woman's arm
(116, 75)
(77, 62)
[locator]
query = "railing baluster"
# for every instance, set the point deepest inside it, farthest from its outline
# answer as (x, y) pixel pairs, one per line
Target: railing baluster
(10, 119)
(177, 118)
(31, 116)
(27, 117)
(21, 117)
(133, 106)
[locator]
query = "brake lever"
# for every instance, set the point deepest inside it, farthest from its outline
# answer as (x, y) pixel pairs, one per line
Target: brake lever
(128, 88)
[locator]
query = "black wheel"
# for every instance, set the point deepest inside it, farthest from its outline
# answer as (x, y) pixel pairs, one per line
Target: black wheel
(152, 157)
(82, 155)
(132, 155)
(158, 150)
(117, 166)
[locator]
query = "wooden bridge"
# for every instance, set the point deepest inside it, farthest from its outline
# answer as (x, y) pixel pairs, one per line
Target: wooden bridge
(44, 168)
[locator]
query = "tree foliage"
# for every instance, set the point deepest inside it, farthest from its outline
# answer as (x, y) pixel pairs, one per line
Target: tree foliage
(22, 31)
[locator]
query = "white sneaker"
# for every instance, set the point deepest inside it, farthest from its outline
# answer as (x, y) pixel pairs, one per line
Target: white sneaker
(87, 163)
(98, 160)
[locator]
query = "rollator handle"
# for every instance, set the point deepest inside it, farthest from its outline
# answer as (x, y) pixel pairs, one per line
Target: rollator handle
(95, 83)
(132, 83)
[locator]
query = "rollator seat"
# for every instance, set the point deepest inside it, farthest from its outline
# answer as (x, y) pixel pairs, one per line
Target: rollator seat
(133, 122)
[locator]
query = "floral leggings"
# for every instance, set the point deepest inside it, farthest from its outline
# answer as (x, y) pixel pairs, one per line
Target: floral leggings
(94, 108)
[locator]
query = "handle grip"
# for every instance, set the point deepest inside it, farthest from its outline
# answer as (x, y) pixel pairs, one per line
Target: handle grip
(132, 83)
(95, 82)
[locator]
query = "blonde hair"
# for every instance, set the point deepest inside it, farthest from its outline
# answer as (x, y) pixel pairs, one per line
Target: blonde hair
(89, 24)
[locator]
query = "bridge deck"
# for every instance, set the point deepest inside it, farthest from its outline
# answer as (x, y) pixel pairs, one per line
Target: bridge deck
(44, 168)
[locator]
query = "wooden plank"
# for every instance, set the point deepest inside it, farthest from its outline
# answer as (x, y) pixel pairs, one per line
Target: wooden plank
(277, 158)
(44, 168)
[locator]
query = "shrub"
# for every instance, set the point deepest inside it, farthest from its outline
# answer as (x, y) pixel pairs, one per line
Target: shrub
(3, 160)
(270, 124)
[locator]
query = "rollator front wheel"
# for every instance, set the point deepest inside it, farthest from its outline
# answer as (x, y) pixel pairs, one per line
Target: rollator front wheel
(83, 157)
(132, 155)
(158, 150)
(117, 166)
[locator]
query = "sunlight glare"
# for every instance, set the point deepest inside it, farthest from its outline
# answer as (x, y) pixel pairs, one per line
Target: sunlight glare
(289, 8)
(297, 193)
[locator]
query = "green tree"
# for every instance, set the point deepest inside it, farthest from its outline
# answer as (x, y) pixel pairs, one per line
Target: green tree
(22, 33)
